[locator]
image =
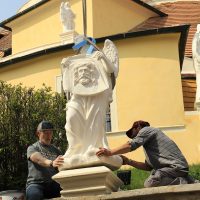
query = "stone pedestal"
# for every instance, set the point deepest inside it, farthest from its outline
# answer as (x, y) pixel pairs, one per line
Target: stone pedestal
(87, 182)
(68, 37)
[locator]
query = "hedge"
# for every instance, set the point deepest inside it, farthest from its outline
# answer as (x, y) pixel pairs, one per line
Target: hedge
(21, 109)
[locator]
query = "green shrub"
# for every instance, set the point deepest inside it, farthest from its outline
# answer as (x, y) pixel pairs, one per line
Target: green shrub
(195, 171)
(21, 109)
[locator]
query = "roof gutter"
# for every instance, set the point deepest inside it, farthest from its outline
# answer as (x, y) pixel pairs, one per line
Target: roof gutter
(183, 29)
(182, 43)
(142, 3)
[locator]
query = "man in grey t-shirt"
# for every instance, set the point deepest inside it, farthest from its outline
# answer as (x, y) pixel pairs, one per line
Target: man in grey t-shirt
(43, 160)
(163, 157)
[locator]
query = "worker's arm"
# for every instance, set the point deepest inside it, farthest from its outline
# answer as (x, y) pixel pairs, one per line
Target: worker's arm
(40, 160)
(136, 164)
(125, 148)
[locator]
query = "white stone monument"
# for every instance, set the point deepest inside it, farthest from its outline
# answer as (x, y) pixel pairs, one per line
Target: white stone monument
(67, 19)
(88, 79)
(196, 60)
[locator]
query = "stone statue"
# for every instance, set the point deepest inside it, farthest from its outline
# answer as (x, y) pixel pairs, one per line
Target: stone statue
(196, 61)
(88, 79)
(67, 17)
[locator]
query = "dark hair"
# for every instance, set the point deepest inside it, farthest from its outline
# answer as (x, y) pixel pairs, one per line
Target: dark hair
(140, 123)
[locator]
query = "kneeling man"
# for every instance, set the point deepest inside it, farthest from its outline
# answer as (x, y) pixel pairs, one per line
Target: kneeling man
(164, 159)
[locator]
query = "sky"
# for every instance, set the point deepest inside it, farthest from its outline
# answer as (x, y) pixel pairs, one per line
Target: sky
(8, 8)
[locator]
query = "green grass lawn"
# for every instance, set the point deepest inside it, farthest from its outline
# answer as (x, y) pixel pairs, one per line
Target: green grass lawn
(138, 177)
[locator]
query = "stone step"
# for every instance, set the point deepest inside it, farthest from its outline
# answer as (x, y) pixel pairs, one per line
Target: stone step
(175, 192)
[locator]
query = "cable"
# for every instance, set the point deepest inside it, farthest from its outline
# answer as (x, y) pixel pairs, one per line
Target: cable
(84, 17)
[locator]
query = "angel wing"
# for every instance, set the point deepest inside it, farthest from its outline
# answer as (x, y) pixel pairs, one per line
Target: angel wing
(111, 53)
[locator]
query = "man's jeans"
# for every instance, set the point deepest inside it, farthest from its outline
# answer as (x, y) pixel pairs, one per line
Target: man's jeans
(167, 176)
(43, 191)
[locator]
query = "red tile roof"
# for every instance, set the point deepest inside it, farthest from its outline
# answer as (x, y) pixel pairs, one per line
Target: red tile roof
(5, 43)
(180, 12)
(4, 31)
(1, 54)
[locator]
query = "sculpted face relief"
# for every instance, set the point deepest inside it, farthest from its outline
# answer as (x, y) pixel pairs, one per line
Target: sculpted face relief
(84, 74)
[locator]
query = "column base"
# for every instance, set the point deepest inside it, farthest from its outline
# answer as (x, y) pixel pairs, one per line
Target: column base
(87, 182)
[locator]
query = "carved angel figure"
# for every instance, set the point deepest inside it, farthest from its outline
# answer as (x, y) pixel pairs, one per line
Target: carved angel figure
(196, 61)
(88, 79)
(67, 17)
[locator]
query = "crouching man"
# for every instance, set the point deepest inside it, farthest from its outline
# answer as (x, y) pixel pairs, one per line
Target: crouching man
(43, 160)
(164, 159)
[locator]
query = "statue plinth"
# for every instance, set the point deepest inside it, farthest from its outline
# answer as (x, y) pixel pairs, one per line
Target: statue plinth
(87, 181)
(68, 37)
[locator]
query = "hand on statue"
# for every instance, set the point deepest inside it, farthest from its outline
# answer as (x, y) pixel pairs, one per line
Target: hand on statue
(58, 161)
(126, 160)
(103, 152)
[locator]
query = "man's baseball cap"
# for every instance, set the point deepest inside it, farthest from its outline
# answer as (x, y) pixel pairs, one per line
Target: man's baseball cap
(45, 125)
(129, 132)
(139, 123)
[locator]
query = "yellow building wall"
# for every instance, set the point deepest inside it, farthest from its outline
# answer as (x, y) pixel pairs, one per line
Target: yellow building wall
(148, 87)
(42, 26)
(35, 72)
(149, 83)
(116, 16)
(187, 139)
